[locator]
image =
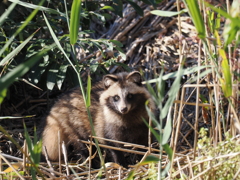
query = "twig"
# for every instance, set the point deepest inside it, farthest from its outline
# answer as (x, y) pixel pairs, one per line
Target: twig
(64, 150)
(9, 164)
(48, 162)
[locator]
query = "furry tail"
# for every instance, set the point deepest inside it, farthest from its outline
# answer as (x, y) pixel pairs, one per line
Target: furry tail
(51, 137)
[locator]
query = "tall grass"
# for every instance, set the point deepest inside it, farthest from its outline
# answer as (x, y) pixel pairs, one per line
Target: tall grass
(222, 83)
(23, 68)
(218, 69)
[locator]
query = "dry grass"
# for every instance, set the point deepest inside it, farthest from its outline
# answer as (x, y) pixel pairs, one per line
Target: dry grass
(150, 42)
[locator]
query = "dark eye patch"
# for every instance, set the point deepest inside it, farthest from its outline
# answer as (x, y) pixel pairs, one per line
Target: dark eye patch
(130, 96)
(116, 98)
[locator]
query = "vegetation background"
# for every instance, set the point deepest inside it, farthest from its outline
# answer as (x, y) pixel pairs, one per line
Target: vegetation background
(187, 50)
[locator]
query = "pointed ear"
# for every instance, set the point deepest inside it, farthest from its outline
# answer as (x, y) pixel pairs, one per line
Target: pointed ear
(135, 77)
(109, 79)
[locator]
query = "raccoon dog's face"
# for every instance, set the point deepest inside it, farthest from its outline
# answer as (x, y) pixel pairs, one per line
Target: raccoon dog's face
(123, 92)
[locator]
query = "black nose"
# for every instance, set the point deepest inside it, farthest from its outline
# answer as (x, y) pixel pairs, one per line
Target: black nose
(123, 110)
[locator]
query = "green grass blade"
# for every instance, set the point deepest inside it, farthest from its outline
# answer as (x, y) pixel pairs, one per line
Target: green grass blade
(110, 8)
(227, 77)
(75, 21)
(194, 11)
(3, 94)
(149, 159)
(220, 11)
(156, 134)
(39, 7)
(58, 43)
(175, 74)
(165, 170)
(61, 75)
(15, 51)
(7, 12)
(167, 131)
(172, 94)
(232, 25)
(168, 150)
(52, 75)
(21, 150)
(66, 12)
(89, 87)
(28, 139)
(35, 150)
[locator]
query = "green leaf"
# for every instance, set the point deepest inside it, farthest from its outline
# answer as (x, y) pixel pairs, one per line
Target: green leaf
(35, 138)
(130, 175)
(203, 99)
(194, 11)
(110, 8)
(3, 94)
(10, 175)
(89, 87)
(175, 74)
(58, 43)
(117, 43)
(168, 150)
(160, 87)
(165, 171)
(152, 90)
(149, 159)
(15, 51)
(37, 70)
(220, 11)
(122, 54)
(168, 13)
(232, 26)
(203, 74)
(39, 7)
(153, 131)
(75, 21)
(218, 22)
(107, 16)
(37, 149)
(34, 149)
(172, 94)
(52, 75)
(21, 69)
(231, 31)
(227, 77)
(210, 18)
(167, 131)
(61, 75)
(28, 139)
(99, 16)
(158, 1)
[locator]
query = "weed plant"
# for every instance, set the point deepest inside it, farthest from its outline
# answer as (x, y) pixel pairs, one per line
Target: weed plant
(52, 58)
(223, 158)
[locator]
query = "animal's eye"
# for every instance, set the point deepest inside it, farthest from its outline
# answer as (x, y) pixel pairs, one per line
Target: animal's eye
(129, 96)
(116, 98)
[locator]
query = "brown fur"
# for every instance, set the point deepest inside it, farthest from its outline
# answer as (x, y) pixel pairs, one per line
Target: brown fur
(118, 106)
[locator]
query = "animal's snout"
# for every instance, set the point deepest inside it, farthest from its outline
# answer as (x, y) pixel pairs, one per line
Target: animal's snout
(124, 110)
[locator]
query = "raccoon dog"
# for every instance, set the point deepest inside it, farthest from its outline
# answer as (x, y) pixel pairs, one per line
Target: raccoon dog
(117, 108)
